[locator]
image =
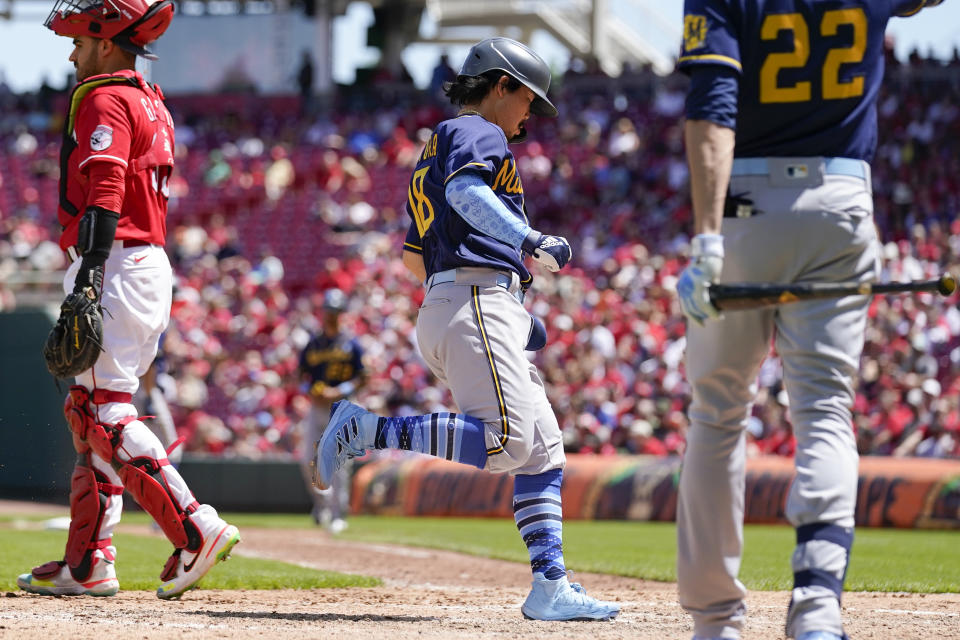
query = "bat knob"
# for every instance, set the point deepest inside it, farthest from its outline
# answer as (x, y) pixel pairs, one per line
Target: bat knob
(947, 284)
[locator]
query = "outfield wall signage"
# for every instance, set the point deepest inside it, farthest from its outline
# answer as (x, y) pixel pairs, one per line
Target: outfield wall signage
(892, 492)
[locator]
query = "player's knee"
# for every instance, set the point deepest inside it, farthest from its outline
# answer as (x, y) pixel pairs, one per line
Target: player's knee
(140, 442)
(518, 448)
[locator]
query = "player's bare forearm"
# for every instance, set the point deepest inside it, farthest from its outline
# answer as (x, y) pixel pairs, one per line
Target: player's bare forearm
(414, 264)
(710, 158)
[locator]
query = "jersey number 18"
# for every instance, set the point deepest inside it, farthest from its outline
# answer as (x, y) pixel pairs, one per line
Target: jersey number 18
(419, 203)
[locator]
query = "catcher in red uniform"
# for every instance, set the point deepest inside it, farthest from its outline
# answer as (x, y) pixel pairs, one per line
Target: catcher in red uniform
(116, 158)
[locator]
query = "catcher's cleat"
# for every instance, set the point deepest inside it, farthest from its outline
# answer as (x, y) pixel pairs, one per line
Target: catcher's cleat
(184, 569)
(559, 600)
(349, 433)
(54, 578)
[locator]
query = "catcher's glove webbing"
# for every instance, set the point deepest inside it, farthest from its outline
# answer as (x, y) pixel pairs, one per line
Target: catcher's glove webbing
(75, 342)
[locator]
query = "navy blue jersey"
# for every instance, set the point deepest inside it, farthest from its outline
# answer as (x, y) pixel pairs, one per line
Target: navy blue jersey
(464, 143)
(331, 360)
(809, 70)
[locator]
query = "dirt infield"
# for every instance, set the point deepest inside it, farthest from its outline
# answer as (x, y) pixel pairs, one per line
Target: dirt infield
(426, 595)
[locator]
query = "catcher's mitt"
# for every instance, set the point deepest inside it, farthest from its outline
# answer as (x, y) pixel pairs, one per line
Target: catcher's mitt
(75, 342)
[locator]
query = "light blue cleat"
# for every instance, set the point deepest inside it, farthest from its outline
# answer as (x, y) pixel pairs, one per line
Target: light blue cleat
(559, 600)
(350, 431)
(819, 635)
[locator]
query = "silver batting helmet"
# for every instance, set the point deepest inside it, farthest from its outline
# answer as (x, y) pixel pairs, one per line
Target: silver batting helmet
(516, 59)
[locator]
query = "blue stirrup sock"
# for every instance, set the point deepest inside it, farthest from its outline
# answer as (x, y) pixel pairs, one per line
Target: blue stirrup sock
(538, 512)
(822, 555)
(453, 436)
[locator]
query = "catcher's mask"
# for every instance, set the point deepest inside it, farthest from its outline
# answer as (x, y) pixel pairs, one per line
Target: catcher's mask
(130, 24)
(516, 59)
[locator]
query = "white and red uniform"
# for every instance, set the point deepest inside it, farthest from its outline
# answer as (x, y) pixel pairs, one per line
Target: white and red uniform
(115, 162)
(118, 155)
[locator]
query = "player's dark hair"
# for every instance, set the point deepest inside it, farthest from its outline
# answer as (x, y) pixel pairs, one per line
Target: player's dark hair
(473, 89)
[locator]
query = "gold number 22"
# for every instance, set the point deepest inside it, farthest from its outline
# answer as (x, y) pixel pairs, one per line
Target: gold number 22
(833, 88)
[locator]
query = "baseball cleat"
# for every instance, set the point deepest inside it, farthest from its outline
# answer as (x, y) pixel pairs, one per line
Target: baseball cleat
(819, 635)
(559, 600)
(184, 569)
(54, 578)
(348, 434)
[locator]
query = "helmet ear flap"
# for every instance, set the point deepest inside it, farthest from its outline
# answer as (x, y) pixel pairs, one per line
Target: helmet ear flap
(147, 29)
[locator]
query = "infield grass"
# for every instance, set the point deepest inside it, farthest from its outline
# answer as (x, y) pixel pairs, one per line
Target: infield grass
(141, 558)
(891, 560)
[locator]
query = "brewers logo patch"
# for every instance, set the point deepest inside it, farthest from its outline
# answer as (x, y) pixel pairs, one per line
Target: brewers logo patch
(101, 138)
(694, 32)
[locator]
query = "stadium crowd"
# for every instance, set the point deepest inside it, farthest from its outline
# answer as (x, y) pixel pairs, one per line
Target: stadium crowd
(270, 207)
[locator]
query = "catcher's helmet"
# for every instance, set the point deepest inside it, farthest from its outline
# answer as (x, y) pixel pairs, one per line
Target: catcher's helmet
(516, 59)
(334, 300)
(131, 24)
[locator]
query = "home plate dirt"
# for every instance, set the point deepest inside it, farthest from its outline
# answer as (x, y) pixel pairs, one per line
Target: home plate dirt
(426, 595)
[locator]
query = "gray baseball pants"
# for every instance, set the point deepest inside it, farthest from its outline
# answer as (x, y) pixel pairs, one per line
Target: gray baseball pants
(472, 333)
(819, 230)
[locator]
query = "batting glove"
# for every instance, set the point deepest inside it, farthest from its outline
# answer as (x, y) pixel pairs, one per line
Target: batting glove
(693, 287)
(553, 252)
(537, 336)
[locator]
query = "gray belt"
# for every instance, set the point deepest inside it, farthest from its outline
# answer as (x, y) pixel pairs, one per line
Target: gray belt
(801, 167)
(450, 275)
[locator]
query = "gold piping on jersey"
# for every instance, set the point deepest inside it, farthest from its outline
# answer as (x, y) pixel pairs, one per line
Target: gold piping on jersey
(469, 164)
(713, 57)
(504, 419)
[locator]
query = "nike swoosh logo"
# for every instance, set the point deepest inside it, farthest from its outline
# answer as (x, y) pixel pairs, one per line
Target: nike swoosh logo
(188, 567)
(137, 260)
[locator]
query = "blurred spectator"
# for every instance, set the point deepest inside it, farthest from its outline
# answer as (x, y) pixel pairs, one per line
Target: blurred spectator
(442, 73)
(252, 246)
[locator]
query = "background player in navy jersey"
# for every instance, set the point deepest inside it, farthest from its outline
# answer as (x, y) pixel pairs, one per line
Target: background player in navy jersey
(468, 238)
(781, 126)
(331, 369)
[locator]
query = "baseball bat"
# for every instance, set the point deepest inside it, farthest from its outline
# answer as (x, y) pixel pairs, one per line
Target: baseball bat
(733, 297)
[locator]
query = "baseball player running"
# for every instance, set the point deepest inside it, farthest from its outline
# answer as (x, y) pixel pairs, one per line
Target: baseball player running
(331, 367)
(116, 158)
(781, 126)
(467, 241)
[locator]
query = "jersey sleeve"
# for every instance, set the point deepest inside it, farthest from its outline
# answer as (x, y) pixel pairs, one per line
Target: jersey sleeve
(475, 148)
(709, 37)
(103, 131)
(413, 242)
(907, 8)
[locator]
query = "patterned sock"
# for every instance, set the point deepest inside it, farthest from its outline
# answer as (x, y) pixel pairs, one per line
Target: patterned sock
(538, 512)
(453, 436)
(821, 556)
(819, 570)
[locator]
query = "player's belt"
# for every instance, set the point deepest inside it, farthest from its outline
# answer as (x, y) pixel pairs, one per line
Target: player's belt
(73, 254)
(450, 275)
(831, 166)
